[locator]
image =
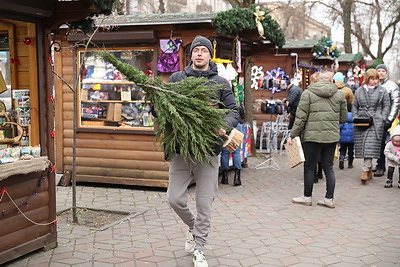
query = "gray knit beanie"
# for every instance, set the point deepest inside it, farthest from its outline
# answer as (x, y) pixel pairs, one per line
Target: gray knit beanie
(381, 66)
(200, 40)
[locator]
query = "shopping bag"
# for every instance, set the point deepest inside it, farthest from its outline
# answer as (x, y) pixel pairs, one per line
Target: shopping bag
(295, 152)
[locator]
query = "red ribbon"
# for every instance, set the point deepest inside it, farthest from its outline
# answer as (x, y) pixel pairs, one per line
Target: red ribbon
(15, 61)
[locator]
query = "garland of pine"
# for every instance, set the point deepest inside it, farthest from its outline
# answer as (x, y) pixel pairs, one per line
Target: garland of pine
(239, 19)
(186, 116)
(325, 47)
(86, 25)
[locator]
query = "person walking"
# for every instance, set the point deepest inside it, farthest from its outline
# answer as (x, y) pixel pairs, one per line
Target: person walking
(321, 109)
(236, 161)
(182, 172)
(371, 100)
(292, 101)
(348, 93)
(392, 153)
(394, 105)
(346, 142)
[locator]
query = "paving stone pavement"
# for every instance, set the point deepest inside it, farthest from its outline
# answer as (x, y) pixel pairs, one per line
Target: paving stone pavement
(252, 225)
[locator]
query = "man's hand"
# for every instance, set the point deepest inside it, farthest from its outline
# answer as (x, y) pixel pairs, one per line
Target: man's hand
(289, 141)
(221, 132)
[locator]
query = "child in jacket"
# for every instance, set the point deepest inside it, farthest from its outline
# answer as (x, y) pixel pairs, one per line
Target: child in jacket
(392, 153)
(346, 142)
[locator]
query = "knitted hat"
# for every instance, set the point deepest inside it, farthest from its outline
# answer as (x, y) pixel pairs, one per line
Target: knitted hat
(381, 66)
(395, 131)
(199, 41)
(338, 77)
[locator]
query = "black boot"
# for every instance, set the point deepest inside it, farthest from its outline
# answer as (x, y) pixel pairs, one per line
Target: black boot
(350, 164)
(341, 164)
(236, 179)
(224, 179)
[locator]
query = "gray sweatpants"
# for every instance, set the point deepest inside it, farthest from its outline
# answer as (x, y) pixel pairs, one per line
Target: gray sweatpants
(181, 174)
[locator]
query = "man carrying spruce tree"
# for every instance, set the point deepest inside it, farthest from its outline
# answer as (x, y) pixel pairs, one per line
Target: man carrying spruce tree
(181, 171)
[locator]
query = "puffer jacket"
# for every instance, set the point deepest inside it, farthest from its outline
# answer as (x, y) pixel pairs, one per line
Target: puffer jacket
(394, 95)
(321, 109)
(374, 102)
(392, 152)
(348, 94)
(225, 96)
(346, 130)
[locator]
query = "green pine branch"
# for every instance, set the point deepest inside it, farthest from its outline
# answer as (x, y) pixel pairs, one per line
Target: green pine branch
(186, 114)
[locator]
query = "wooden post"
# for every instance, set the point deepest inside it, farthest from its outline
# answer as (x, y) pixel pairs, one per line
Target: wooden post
(248, 99)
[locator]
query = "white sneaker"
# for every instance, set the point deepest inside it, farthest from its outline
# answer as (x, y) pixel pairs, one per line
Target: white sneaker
(302, 200)
(327, 202)
(189, 244)
(199, 259)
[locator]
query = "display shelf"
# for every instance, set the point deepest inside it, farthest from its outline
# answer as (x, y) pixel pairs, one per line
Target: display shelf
(107, 99)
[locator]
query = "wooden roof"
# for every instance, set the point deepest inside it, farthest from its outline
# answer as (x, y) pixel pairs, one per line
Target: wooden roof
(158, 19)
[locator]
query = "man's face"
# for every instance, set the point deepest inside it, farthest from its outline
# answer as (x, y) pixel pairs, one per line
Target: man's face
(200, 57)
(382, 74)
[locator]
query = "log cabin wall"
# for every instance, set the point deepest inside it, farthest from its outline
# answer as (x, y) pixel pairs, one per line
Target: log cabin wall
(128, 158)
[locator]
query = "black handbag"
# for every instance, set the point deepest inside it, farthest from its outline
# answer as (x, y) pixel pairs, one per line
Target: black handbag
(363, 121)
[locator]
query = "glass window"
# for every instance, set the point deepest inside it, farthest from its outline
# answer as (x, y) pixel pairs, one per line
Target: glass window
(107, 98)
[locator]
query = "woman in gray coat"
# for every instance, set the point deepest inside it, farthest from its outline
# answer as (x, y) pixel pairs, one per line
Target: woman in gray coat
(370, 100)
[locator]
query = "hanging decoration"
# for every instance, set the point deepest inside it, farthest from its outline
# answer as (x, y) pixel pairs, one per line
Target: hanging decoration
(238, 55)
(259, 15)
(256, 75)
(240, 19)
(325, 47)
(168, 60)
(27, 41)
(273, 80)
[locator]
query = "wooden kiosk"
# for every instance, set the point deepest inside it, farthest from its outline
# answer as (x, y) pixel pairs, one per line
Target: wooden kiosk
(27, 187)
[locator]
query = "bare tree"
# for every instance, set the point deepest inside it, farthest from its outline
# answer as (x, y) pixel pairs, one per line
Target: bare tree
(372, 22)
(380, 26)
(242, 3)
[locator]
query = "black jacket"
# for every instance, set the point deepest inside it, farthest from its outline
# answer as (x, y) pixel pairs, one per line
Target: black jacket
(293, 98)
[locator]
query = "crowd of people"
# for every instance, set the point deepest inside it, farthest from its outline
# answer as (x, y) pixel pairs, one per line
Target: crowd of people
(361, 122)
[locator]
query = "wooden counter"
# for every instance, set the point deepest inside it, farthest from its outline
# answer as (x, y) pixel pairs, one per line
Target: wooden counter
(32, 188)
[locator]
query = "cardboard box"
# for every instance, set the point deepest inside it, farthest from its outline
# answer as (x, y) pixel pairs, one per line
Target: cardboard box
(114, 112)
(110, 112)
(117, 111)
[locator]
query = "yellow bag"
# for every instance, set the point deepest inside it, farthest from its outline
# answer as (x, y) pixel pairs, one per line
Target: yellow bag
(336, 155)
(394, 124)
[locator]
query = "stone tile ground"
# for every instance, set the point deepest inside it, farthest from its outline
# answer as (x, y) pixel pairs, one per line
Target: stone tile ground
(253, 225)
